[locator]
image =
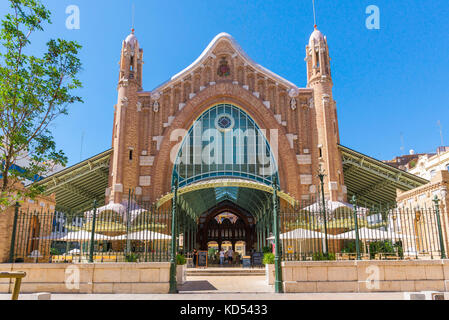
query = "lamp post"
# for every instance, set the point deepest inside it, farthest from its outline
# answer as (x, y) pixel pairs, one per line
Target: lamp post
(440, 232)
(128, 214)
(277, 244)
(321, 175)
(356, 225)
(173, 285)
(92, 235)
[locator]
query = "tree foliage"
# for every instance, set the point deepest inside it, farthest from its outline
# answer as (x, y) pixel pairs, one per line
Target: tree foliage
(34, 91)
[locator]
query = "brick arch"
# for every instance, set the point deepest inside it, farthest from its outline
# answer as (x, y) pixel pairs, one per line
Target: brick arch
(225, 93)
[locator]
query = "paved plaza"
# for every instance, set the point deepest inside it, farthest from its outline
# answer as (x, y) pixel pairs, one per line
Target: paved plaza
(223, 288)
(220, 296)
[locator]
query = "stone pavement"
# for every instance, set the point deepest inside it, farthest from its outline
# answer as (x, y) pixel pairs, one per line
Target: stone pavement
(220, 296)
(223, 288)
(224, 284)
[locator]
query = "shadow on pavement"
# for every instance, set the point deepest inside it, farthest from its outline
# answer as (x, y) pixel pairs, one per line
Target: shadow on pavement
(197, 285)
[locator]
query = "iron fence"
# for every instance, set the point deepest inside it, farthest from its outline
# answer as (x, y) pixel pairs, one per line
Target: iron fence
(134, 232)
(128, 232)
(333, 231)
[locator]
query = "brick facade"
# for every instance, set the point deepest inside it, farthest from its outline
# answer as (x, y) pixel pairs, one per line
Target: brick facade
(38, 206)
(421, 200)
(144, 122)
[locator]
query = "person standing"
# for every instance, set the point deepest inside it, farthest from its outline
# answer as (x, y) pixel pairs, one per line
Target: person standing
(222, 256)
(230, 254)
(194, 258)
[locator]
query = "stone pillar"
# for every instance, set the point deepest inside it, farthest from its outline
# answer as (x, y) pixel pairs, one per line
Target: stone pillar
(6, 224)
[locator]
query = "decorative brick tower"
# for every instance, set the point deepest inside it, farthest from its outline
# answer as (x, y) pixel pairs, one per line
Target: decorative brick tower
(126, 137)
(146, 123)
(319, 79)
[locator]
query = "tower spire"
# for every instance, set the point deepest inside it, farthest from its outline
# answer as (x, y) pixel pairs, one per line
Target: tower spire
(133, 17)
(314, 14)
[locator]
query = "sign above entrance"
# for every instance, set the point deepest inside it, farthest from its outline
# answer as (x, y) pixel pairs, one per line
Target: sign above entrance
(223, 216)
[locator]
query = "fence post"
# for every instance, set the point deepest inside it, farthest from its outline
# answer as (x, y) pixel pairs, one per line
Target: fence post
(356, 225)
(13, 235)
(173, 285)
(440, 232)
(277, 243)
(128, 241)
(321, 175)
(92, 236)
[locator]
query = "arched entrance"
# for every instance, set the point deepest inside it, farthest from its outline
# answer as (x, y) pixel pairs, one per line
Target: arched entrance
(238, 214)
(226, 224)
(226, 168)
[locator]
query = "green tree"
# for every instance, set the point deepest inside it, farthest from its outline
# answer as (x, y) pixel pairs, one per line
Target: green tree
(34, 91)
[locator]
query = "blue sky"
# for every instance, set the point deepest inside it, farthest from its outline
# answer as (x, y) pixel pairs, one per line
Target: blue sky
(387, 82)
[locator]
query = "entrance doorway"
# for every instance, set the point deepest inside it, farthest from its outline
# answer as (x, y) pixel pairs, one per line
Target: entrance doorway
(230, 228)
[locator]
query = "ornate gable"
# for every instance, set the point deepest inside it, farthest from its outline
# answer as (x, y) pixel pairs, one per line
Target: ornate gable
(224, 59)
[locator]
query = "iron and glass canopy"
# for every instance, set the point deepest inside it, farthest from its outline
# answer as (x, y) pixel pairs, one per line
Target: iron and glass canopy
(225, 142)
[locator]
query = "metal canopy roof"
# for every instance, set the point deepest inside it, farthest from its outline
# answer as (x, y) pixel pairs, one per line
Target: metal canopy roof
(197, 202)
(373, 181)
(78, 186)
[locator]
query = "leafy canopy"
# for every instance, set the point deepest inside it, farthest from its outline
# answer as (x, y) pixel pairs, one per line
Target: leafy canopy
(34, 91)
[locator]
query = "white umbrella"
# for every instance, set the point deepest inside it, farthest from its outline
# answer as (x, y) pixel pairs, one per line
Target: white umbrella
(317, 207)
(35, 254)
(370, 234)
(120, 209)
(75, 252)
(143, 236)
(53, 236)
(303, 234)
(116, 207)
(83, 235)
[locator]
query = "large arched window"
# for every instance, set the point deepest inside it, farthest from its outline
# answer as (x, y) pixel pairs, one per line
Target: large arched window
(225, 142)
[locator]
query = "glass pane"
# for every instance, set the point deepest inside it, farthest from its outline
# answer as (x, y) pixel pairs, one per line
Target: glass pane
(224, 142)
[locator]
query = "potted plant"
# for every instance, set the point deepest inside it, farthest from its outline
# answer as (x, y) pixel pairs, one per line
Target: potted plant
(180, 269)
(131, 257)
(319, 256)
(268, 261)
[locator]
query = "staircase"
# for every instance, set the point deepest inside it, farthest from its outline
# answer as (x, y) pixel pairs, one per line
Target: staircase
(229, 272)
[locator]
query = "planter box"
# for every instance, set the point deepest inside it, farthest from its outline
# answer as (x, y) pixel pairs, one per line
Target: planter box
(181, 274)
(269, 272)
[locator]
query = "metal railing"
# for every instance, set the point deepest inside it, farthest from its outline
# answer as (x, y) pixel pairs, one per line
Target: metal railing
(359, 232)
(128, 232)
(134, 232)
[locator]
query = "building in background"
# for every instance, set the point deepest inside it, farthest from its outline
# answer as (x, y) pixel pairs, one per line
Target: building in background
(424, 165)
(402, 162)
(427, 165)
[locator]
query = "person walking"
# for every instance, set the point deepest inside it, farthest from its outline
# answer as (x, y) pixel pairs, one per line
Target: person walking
(222, 256)
(195, 255)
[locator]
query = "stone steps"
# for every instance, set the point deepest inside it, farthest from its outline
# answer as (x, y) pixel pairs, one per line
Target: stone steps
(225, 272)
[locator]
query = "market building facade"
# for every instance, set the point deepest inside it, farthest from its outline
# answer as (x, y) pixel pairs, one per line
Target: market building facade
(225, 130)
(227, 154)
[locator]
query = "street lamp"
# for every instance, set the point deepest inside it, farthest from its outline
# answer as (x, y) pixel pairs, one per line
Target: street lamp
(92, 235)
(356, 225)
(321, 176)
(173, 284)
(277, 243)
(440, 232)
